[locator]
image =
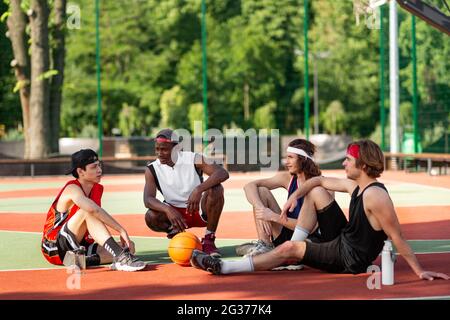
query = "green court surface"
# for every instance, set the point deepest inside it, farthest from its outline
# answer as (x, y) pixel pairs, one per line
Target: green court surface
(150, 249)
(402, 194)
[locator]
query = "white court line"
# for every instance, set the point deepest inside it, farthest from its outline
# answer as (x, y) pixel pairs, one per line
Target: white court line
(415, 184)
(35, 269)
(105, 266)
(141, 237)
(420, 298)
(13, 231)
(221, 239)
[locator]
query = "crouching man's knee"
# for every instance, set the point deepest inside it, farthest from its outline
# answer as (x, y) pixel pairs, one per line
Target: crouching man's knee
(155, 221)
(216, 192)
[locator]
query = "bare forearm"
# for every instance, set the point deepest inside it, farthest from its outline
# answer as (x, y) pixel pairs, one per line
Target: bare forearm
(307, 186)
(155, 204)
(290, 223)
(406, 252)
(107, 219)
(252, 195)
(216, 178)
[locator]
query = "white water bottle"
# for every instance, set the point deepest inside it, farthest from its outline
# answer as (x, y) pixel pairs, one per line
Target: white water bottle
(387, 264)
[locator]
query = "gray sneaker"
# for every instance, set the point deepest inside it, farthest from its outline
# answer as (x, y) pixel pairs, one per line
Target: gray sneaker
(243, 249)
(260, 248)
(127, 262)
(201, 260)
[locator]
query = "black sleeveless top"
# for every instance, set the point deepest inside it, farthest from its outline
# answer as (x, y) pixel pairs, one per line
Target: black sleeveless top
(361, 244)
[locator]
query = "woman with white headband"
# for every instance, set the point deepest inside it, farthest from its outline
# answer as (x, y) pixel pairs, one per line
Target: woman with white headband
(271, 230)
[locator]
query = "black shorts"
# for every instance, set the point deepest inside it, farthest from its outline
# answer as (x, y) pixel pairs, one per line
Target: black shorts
(286, 235)
(325, 254)
(67, 241)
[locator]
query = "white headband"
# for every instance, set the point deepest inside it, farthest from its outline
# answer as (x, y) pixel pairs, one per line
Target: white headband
(300, 152)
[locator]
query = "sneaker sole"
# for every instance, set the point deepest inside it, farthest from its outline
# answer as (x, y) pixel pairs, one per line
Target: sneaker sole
(214, 271)
(293, 267)
(126, 268)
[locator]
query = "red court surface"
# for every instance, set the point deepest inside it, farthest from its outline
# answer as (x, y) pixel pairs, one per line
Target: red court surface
(186, 283)
(172, 282)
(417, 223)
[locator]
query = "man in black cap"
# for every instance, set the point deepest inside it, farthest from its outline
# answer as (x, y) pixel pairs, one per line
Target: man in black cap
(188, 200)
(76, 224)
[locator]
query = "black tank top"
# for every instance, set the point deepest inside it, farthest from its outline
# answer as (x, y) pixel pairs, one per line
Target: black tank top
(360, 242)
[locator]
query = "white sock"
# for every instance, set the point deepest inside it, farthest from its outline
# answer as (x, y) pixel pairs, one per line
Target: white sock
(235, 266)
(209, 232)
(300, 234)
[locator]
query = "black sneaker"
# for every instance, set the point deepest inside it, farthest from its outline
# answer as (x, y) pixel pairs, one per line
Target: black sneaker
(127, 262)
(201, 260)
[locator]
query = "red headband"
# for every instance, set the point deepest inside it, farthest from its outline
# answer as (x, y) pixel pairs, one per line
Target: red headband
(353, 150)
(161, 139)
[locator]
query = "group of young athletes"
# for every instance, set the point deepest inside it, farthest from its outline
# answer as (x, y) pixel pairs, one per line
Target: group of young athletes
(309, 229)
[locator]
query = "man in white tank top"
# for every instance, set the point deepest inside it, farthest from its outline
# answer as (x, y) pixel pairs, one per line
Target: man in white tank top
(188, 200)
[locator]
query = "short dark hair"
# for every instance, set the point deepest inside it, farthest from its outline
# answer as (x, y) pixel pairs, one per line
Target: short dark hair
(371, 158)
(81, 159)
(169, 135)
(307, 166)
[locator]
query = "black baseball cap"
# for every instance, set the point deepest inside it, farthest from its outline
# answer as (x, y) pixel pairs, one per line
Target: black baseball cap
(167, 135)
(82, 158)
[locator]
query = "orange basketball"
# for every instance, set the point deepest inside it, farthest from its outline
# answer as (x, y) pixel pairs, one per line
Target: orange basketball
(181, 247)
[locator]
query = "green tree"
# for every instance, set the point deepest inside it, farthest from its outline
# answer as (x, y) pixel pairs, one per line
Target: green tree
(334, 120)
(265, 116)
(174, 113)
(38, 69)
(195, 114)
(10, 112)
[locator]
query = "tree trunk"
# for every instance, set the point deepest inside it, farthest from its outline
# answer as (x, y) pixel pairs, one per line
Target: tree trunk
(58, 55)
(246, 101)
(39, 85)
(21, 64)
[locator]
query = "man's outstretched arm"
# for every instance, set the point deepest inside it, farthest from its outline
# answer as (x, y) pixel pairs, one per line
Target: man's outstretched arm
(333, 184)
(78, 197)
(378, 203)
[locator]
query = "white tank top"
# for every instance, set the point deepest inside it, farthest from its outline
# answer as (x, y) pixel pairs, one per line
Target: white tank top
(176, 183)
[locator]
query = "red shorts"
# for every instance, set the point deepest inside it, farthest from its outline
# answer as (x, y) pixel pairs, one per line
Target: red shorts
(195, 219)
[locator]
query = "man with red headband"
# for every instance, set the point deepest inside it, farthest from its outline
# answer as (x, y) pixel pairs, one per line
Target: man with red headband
(188, 200)
(352, 246)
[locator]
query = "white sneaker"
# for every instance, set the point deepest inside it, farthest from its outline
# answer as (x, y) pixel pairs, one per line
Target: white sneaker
(260, 248)
(242, 249)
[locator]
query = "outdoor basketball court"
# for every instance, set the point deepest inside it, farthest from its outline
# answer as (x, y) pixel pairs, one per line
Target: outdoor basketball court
(422, 203)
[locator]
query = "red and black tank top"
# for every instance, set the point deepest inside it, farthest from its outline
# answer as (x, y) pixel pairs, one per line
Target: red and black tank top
(55, 221)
